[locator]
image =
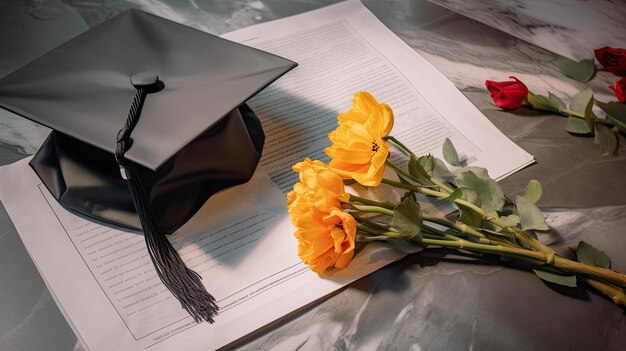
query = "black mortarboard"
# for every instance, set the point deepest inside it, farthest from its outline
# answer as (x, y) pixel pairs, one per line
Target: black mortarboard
(162, 103)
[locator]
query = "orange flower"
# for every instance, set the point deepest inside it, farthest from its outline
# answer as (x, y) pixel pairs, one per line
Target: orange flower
(325, 233)
(358, 150)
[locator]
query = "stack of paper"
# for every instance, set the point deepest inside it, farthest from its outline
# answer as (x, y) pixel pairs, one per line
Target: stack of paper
(241, 241)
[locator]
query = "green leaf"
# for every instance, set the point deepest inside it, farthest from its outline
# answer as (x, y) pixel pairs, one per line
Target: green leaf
(428, 163)
(479, 171)
(615, 109)
(533, 191)
(480, 189)
(470, 217)
(555, 99)
(407, 218)
(470, 195)
(540, 102)
(510, 220)
(577, 126)
(556, 278)
(449, 153)
(529, 215)
(583, 103)
(418, 172)
(588, 254)
(404, 180)
(441, 172)
(405, 245)
(590, 117)
(581, 71)
(457, 193)
(616, 113)
(580, 101)
(621, 126)
(605, 138)
(408, 194)
(502, 234)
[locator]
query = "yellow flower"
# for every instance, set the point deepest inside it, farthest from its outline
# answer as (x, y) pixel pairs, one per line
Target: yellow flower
(326, 234)
(366, 110)
(358, 150)
(325, 242)
(324, 188)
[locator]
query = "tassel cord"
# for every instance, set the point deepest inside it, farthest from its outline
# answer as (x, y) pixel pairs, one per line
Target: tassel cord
(184, 283)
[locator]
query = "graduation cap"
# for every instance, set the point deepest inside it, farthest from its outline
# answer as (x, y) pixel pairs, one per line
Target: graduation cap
(149, 121)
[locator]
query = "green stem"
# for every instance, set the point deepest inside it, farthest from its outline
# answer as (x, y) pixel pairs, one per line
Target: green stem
(399, 146)
(374, 209)
(605, 275)
(371, 223)
(366, 228)
(569, 113)
(370, 238)
(400, 170)
(526, 240)
(441, 185)
(493, 249)
(434, 236)
(463, 228)
(547, 258)
(407, 175)
(437, 234)
(437, 194)
(616, 294)
(378, 207)
(501, 241)
(365, 201)
(482, 240)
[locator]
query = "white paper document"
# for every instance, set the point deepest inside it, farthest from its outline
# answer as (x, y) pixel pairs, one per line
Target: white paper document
(241, 241)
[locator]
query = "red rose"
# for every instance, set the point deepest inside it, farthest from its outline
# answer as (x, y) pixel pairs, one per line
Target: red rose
(620, 89)
(507, 94)
(614, 60)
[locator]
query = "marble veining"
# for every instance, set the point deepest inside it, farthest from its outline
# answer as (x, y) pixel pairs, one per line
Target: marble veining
(456, 45)
(44, 299)
(571, 28)
(468, 52)
(25, 136)
(397, 309)
(435, 301)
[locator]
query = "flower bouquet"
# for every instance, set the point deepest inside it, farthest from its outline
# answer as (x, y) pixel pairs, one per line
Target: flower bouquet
(332, 225)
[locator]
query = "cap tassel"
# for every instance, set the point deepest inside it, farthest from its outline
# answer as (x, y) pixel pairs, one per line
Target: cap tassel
(184, 283)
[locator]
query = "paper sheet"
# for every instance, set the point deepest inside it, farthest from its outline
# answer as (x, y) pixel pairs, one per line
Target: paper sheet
(342, 49)
(241, 241)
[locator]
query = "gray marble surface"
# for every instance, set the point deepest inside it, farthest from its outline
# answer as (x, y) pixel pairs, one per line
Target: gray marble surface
(571, 28)
(437, 301)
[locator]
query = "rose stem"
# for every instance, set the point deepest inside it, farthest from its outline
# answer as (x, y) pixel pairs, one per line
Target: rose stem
(570, 113)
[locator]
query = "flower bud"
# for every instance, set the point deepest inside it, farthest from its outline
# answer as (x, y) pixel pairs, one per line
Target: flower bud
(510, 94)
